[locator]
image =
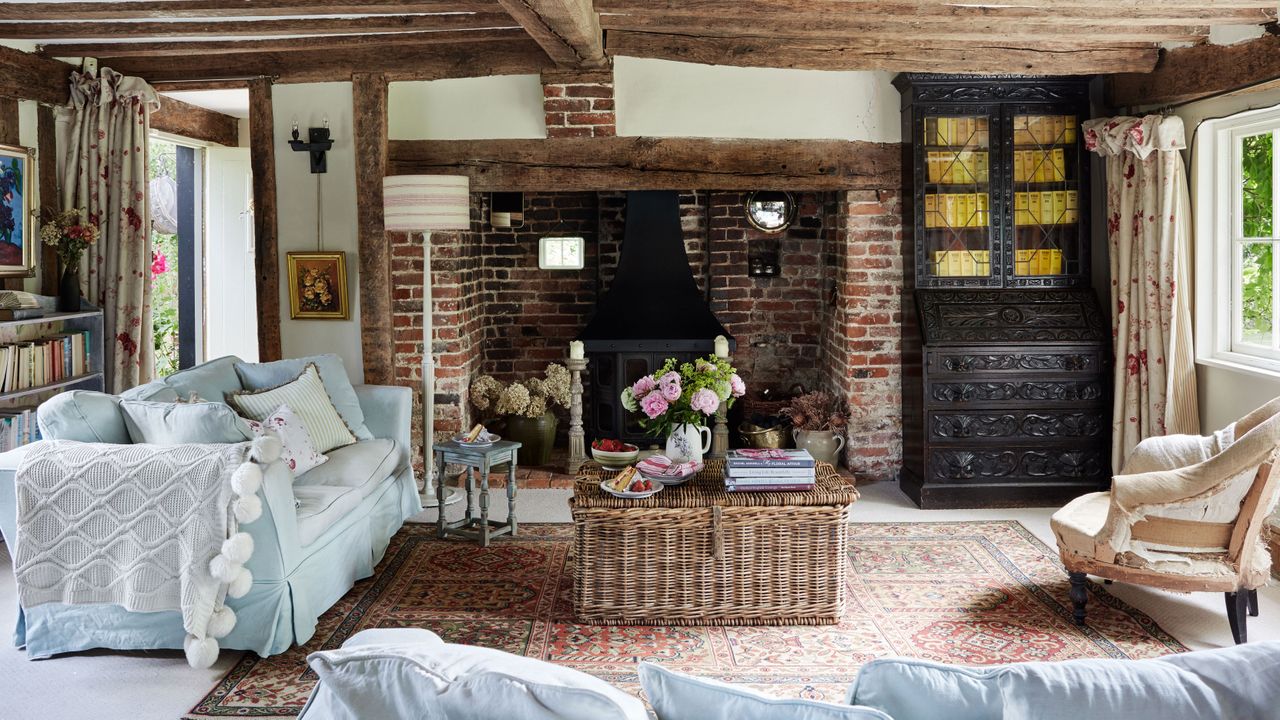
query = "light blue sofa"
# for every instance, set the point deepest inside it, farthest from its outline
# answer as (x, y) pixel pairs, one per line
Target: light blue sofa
(317, 536)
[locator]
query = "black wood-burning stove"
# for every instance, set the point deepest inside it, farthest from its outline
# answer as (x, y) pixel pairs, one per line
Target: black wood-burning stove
(653, 311)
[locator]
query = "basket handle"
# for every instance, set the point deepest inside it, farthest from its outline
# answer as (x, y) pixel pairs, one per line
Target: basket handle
(717, 535)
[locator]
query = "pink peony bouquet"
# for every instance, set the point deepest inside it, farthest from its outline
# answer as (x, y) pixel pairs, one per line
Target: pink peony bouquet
(683, 393)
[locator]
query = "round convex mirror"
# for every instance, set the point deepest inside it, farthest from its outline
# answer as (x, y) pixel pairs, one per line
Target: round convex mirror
(770, 210)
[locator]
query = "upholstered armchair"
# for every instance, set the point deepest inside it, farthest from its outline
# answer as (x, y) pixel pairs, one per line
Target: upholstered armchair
(1186, 514)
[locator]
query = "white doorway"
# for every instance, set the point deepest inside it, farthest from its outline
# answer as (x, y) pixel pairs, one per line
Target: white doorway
(230, 300)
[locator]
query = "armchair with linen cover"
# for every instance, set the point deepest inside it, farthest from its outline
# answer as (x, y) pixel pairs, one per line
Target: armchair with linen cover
(1185, 514)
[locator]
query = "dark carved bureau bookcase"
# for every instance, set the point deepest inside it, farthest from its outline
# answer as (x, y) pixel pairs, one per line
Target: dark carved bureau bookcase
(1006, 352)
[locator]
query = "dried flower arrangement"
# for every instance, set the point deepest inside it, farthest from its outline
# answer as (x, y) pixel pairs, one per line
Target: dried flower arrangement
(530, 398)
(67, 234)
(817, 411)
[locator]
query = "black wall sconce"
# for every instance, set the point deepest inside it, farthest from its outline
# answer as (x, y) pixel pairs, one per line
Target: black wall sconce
(318, 143)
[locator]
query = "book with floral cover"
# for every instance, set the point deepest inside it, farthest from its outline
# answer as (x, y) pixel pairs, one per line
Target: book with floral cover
(768, 458)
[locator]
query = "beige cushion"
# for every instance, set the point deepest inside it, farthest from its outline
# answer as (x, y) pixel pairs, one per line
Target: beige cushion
(306, 396)
(361, 467)
(1079, 521)
(320, 507)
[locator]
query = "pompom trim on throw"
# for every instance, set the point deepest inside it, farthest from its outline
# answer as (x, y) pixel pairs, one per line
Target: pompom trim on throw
(241, 584)
(201, 652)
(246, 480)
(222, 622)
(267, 449)
(248, 508)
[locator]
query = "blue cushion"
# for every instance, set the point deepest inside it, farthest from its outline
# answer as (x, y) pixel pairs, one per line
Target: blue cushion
(83, 416)
(181, 423)
(676, 696)
(333, 373)
(155, 391)
(1236, 682)
(209, 381)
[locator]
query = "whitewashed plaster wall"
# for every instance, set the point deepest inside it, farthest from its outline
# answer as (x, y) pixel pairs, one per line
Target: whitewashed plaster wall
(296, 212)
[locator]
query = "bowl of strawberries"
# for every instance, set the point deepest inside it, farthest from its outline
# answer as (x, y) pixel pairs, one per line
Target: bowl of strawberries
(614, 454)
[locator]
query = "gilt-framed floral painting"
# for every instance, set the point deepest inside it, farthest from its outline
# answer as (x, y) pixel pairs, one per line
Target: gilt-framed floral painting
(17, 238)
(318, 285)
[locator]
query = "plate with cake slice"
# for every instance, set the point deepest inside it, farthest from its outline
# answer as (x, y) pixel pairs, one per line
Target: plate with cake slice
(630, 485)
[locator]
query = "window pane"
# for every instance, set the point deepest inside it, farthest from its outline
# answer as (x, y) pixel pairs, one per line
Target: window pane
(1255, 293)
(1255, 180)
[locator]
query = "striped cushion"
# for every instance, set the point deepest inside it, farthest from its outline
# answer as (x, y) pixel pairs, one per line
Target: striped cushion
(306, 396)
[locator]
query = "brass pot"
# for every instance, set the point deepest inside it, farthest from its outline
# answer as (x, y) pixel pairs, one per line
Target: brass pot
(758, 437)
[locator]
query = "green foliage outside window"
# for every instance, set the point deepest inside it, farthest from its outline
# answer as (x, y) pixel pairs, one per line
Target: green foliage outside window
(164, 270)
(1257, 258)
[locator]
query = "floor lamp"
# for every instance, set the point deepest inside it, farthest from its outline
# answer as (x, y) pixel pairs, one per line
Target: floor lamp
(423, 203)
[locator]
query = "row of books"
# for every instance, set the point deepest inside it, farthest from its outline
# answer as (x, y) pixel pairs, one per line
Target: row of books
(42, 362)
(957, 210)
(769, 470)
(958, 167)
(17, 428)
(977, 263)
(1040, 165)
(966, 131)
(1051, 207)
(1044, 129)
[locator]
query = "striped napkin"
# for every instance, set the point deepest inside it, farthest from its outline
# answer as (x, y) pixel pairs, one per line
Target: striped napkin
(661, 466)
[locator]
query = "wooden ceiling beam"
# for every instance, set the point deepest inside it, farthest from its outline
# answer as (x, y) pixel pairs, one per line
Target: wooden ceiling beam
(178, 9)
(237, 47)
(644, 163)
(25, 76)
(1063, 13)
(138, 30)
(854, 29)
(397, 62)
(1192, 73)
(191, 121)
(568, 30)
(994, 56)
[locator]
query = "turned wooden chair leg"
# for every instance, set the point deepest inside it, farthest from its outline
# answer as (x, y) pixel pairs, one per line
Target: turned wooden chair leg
(1237, 615)
(1253, 603)
(1079, 595)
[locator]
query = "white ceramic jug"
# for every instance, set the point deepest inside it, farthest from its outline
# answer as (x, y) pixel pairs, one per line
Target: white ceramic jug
(688, 443)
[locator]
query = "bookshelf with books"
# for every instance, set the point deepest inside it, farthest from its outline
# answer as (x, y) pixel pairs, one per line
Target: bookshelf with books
(1005, 360)
(40, 357)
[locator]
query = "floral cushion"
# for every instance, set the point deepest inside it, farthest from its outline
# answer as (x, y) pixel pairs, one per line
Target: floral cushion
(299, 453)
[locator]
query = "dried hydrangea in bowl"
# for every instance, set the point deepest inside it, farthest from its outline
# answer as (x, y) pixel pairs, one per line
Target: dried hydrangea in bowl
(525, 407)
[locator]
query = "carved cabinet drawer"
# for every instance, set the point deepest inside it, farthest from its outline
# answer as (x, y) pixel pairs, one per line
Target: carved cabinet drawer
(999, 465)
(1015, 425)
(1037, 393)
(965, 362)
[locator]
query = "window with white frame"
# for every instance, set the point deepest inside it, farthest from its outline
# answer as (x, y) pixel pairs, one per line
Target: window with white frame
(1238, 240)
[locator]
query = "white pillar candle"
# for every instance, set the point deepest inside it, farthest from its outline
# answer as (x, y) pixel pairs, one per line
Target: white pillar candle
(722, 346)
(576, 350)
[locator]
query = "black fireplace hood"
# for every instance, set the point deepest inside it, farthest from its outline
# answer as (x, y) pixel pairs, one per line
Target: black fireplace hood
(653, 303)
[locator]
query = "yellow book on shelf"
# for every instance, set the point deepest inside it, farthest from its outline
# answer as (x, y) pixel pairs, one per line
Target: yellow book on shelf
(1041, 174)
(930, 210)
(1069, 131)
(1059, 165)
(983, 162)
(1055, 267)
(954, 263)
(940, 263)
(1019, 166)
(984, 262)
(931, 166)
(966, 210)
(1033, 208)
(964, 263)
(1073, 212)
(984, 210)
(1060, 207)
(984, 132)
(1020, 203)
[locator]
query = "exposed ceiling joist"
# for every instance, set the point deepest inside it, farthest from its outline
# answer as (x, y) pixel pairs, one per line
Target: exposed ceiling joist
(30, 77)
(1133, 13)
(135, 30)
(996, 56)
(197, 123)
(236, 47)
(568, 30)
(177, 9)
(1187, 74)
(855, 29)
(397, 62)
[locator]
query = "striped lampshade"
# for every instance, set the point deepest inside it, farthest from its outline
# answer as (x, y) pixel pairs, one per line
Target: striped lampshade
(417, 203)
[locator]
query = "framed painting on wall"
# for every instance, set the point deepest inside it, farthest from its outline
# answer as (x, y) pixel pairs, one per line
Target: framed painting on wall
(318, 285)
(17, 238)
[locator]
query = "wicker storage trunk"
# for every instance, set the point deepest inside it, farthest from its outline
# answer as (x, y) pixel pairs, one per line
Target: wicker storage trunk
(696, 555)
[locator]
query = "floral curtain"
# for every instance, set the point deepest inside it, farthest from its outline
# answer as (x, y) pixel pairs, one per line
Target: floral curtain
(103, 170)
(1149, 229)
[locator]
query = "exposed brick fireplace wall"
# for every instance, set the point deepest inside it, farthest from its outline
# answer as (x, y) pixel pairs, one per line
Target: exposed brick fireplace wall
(831, 318)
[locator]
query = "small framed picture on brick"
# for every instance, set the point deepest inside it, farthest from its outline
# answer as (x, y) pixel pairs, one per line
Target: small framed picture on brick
(561, 253)
(318, 285)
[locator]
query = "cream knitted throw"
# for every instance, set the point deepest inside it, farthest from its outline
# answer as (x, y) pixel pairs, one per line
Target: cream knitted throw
(145, 527)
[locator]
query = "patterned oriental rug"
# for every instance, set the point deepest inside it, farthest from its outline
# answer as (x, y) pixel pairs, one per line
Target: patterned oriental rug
(956, 592)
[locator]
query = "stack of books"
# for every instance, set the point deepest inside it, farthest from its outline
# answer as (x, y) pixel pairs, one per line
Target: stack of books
(43, 362)
(758, 470)
(17, 428)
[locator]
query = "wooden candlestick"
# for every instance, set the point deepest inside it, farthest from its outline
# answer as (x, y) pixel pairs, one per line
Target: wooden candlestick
(577, 439)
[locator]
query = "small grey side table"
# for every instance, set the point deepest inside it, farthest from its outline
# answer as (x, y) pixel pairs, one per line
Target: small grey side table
(478, 459)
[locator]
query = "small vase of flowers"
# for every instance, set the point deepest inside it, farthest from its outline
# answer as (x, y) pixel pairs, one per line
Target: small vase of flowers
(526, 409)
(819, 421)
(678, 398)
(69, 236)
